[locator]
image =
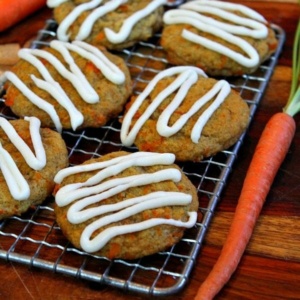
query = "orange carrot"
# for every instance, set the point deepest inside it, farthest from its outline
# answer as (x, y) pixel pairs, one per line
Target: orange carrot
(268, 156)
(13, 11)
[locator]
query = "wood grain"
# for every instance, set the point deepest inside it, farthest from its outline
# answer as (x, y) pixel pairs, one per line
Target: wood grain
(274, 236)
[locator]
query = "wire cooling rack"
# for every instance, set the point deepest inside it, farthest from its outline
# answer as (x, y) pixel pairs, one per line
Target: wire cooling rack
(36, 240)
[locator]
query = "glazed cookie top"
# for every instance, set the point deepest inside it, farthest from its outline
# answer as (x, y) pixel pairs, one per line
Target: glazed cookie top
(85, 197)
(186, 78)
(182, 106)
(60, 55)
(89, 12)
(228, 21)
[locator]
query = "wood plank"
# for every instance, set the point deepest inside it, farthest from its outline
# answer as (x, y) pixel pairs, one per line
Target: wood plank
(274, 236)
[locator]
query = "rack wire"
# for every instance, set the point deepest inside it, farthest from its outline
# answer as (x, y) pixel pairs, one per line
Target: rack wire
(34, 239)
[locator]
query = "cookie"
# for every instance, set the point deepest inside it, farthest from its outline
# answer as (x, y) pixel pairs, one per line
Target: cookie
(30, 157)
(184, 112)
(125, 205)
(223, 39)
(113, 24)
(68, 85)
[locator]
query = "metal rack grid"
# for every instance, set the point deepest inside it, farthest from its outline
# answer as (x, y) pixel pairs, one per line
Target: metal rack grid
(35, 239)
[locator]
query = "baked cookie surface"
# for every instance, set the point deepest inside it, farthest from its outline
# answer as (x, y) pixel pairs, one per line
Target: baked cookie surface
(68, 85)
(113, 24)
(182, 111)
(30, 184)
(223, 39)
(128, 205)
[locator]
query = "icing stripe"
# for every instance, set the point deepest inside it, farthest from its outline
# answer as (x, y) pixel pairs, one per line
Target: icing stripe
(98, 242)
(54, 3)
(75, 75)
(35, 99)
(17, 185)
(253, 24)
(71, 18)
(52, 87)
(109, 70)
(72, 192)
(117, 164)
(35, 162)
(76, 214)
(16, 182)
(226, 6)
(129, 23)
(87, 26)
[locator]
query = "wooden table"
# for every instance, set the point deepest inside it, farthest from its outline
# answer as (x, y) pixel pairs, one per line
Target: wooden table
(270, 268)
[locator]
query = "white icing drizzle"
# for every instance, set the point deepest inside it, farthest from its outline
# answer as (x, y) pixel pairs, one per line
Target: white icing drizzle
(70, 19)
(74, 76)
(131, 21)
(99, 241)
(252, 25)
(16, 182)
(109, 70)
(186, 77)
(100, 187)
(37, 162)
(87, 26)
(101, 191)
(118, 164)
(54, 3)
(35, 99)
(53, 88)
(98, 12)
(17, 185)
